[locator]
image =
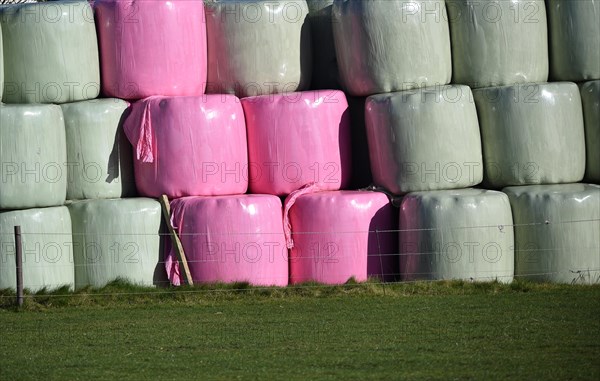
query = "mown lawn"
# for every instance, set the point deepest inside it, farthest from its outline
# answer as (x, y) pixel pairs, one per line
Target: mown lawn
(422, 331)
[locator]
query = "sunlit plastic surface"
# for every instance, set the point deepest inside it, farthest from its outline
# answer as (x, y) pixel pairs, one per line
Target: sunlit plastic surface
(231, 239)
(557, 232)
(456, 234)
(47, 248)
(189, 146)
(297, 139)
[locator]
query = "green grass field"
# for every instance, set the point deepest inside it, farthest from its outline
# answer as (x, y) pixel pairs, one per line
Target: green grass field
(420, 331)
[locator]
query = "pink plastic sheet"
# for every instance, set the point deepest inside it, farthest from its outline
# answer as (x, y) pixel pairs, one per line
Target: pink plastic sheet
(338, 235)
(189, 146)
(230, 239)
(152, 47)
(297, 139)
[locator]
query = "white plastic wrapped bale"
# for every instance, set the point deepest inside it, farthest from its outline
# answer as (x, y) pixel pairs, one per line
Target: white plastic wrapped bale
(574, 39)
(456, 234)
(50, 52)
(33, 155)
(99, 159)
(496, 43)
(258, 47)
(297, 139)
(340, 235)
(531, 134)
(590, 98)
(325, 72)
(391, 45)
(557, 232)
(424, 139)
(47, 248)
(231, 239)
(118, 238)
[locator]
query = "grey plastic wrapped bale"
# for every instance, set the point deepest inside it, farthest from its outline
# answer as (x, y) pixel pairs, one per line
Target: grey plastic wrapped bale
(531, 134)
(574, 33)
(391, 45)
(47, 248)
(117, 239)
(456, 234)
(325, 72)
(590, 98)
(258, 47)
(33, 155)
(557, 232)
(496, 43)
(50, 52)
(424, 139)
(99, 158)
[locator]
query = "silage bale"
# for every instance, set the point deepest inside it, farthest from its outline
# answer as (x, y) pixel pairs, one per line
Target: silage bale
(531, 134)
(325, 72)
(47, 248)
(230, 239)
(456, 234)
(574, 33)
(189, 146)
(361, 163)
(391, 45)
(590, 97)
(424, 139)
(119, 238)
(50, 52)
(297, 139)
(557, 232)
(258, 47)
(99, 160)
(153, 47)
(33, 155)
(496, 43)
(340, 235)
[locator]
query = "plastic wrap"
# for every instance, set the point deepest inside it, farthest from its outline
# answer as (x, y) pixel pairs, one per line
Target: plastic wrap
(424, 139)
(496, 43)
(153, 47)
(557, 232)
(531, 134)
(99, 158)
(258, 47)
(33, 155)
(297, 139)
(590, 98)
(456, 234)
(117, 239)
(574, 33)
(47, 248)
(325, 72)
(50, 52)
(391, 45)
(189, 146)
(231, 239)
(342, 235)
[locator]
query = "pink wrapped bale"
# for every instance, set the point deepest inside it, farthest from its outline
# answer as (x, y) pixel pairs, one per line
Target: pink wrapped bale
(189, 146)
(152, 47)
(230, 239)
(340, 235)
(297, 139)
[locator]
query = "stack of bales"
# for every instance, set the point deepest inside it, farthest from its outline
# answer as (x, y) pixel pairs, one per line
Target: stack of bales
(424, 139)
(65, 163)
(533, 131)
